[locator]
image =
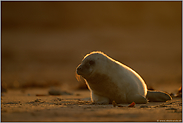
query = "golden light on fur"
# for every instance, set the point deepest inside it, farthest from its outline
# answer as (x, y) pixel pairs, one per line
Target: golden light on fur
(109, 80)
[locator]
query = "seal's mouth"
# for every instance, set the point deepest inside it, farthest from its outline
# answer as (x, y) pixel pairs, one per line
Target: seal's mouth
(78, 73)
(78, 77)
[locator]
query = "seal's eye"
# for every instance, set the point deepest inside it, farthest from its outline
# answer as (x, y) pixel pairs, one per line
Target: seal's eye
(91, 62)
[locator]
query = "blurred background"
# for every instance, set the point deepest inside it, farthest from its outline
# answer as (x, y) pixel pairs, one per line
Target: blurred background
(43, 42)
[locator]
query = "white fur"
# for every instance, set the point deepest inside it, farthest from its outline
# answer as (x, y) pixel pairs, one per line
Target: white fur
(110, 80)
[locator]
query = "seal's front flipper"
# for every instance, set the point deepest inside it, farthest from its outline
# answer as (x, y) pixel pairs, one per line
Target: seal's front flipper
(157, 96)
(97, 99)
(139, 99)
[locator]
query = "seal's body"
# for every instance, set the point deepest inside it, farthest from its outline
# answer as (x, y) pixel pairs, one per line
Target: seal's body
(110, 80)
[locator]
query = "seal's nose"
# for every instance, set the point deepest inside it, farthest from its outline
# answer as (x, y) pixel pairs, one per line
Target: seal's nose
(79, 69)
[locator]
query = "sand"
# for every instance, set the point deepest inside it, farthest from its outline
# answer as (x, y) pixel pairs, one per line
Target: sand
(17, 105)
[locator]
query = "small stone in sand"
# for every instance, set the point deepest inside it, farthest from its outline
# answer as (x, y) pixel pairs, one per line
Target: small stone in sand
(171, 109)
(144, 106)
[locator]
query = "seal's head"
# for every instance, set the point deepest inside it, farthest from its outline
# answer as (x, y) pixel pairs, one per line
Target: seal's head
(91, 63)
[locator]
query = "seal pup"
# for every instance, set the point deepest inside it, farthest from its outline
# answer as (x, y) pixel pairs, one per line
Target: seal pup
(109, 80)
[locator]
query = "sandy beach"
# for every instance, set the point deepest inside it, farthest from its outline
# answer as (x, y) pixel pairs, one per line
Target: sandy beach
(42, 43)
(26, 106)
